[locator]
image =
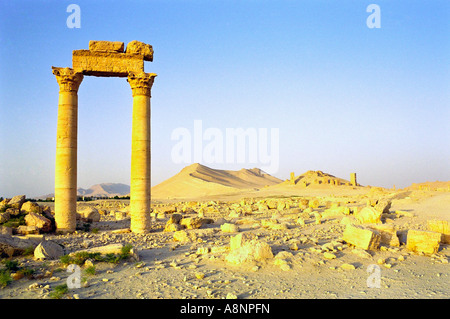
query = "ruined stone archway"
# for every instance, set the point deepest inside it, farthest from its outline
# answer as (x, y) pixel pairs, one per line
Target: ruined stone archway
(106, 59)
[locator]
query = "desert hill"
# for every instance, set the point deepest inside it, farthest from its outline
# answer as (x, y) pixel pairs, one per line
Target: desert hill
(105, 190)
(198, 180)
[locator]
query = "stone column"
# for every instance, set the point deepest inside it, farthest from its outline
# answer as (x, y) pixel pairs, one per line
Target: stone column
(66, 149)
(292, 179)
(353, 179)
(141, 84)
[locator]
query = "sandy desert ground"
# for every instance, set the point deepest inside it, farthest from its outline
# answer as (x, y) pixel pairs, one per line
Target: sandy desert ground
(302, 226)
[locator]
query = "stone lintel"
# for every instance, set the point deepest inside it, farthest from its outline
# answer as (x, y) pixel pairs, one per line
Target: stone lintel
(107, 64)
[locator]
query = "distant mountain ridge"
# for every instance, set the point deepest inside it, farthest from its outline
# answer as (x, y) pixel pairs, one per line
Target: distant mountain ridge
(105, 190)
(99, 190)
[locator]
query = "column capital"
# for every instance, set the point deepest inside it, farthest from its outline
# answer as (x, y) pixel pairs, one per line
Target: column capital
(141, 83)
(68, 79)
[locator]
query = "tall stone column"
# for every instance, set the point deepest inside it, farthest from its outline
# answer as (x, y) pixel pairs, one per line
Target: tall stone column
(66, 149)
(353, 179)
(141, 84)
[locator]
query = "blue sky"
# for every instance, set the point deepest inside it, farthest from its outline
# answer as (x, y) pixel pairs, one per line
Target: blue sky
(345, 98)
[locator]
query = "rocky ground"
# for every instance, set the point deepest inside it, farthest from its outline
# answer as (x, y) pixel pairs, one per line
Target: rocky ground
(253, 248)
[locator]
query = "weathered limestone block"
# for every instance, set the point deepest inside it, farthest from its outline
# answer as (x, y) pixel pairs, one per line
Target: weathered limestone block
(421, 241)
(388, 234)
(336, 212)
(31, 207)
(13, 211)
(229, 228)
(440, 226)
(175, 219)
(17, 201)
(361, 237)
(89, 214)
(140, 48)
(120, 215)
(184, 236)
(27, 230)
(106, 46)
(250, 251)
(43, 224)
(383, 206)
(106, 63)
(369, 215)
(107, 249)
(195, 222)
(172, 227)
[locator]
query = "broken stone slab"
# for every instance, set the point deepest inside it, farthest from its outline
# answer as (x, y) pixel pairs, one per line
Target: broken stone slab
(183, 236)
(48, 250)
(107, 249)
(229, 228)
(336, 212)
(43, 224)
(440, 226)
(26, 230)
(361, 237)
(175, 218)
(172, 227)
(106, 46)
(140, 48)
(383, 206)
(369, 215)
(388, 234)
(421, 241)
(14, 245)
(195, 222)
(253, 250)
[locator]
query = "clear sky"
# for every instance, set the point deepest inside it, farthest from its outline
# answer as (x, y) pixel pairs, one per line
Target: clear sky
(344, 97)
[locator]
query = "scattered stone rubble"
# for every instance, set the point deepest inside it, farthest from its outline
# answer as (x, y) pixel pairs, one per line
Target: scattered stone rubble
(250, 233)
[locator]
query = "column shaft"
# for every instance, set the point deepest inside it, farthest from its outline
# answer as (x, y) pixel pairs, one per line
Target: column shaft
(140, 187)
(140, 165)
(66, 150)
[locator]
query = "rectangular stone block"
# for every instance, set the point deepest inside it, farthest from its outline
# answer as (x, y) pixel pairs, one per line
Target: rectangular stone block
(106, 46)
(361, 237)
(422, 241)
(440, 226)
(106, 63)
(388, 234)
